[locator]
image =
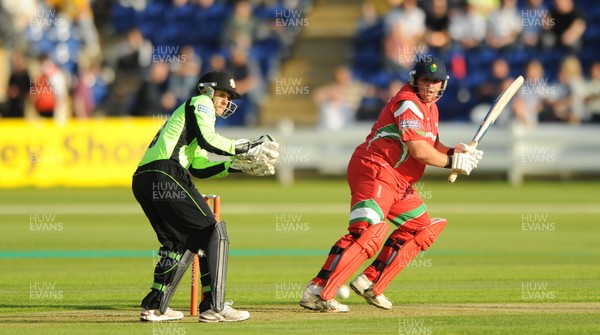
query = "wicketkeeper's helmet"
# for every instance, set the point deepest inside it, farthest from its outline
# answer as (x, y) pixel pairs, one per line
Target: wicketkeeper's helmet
(217, 80)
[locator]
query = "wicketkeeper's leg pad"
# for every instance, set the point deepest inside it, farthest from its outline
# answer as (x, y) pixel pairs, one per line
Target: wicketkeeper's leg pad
(404, 253)
(364, 247)
(165, 273)
(184, 262)
(217, 256)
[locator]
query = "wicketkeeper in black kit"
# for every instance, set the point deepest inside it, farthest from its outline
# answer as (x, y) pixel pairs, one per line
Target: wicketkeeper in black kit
(182, 220)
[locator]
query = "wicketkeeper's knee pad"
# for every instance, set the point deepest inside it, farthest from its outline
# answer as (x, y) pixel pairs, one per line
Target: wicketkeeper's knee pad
(423, 239)
(364, 247)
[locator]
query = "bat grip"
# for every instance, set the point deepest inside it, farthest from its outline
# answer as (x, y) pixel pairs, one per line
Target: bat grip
(452, 177)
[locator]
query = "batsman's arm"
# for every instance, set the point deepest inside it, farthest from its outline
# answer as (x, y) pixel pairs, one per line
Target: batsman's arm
(429, 154)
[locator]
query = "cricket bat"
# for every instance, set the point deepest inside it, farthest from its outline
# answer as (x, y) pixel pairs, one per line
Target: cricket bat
(497, 108)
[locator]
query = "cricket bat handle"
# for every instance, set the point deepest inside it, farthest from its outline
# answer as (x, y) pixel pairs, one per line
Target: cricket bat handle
(452, 177)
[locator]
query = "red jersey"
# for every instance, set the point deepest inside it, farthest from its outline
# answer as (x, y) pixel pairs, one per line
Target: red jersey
(404, 118)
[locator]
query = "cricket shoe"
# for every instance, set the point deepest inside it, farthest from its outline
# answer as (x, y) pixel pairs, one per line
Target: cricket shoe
(311, 299)
(364, 287)
(155, 315)
(228, 314)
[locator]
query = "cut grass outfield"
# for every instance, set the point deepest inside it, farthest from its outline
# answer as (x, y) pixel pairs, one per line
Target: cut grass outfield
(511, 261)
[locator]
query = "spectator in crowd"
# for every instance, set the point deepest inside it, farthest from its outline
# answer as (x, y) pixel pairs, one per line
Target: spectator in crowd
(567, 26)
(50, 92)
(152, 98)
(437, 24)
(374, 98)
(19, 85)
(535, 16)
(485, 7)
(532, 98)
(497, 82)
(338, 102)
(592, 95)
(467, 28)
(131, 55)
(184, 76)
(410, 16)
(567, 104)
(399, 52)
(241, 26)
(246, 73)
(369, 18)
(504, 26)
(90, 89)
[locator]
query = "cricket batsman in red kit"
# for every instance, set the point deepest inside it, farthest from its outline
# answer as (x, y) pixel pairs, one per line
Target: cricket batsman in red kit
(381, 174)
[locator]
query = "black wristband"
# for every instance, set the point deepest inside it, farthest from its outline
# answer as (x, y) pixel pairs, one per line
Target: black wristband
(450, 152)
(448, 163)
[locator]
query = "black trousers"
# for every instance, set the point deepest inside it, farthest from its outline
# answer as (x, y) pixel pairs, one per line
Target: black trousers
(178, 213)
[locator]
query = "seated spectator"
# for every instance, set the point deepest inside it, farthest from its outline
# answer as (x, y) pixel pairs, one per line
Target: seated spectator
(437, 23)
(19, 84)
(467, 28)
(399, 52)
(535, 15)
(50, 93)
(592, 95)
(567, 26)
(241, 26)
(531, 99)
(89, 90)
(375, 98)
(410, 16)
(369, 18)
(338, 102)
(184, 77)
(504, 26)
(152, 98)
(249, 84)
(567, 104)
(499, 80)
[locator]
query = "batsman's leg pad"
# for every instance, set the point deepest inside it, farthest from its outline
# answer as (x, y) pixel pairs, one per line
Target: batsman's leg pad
(364, 247)
(164, 273)
(184, 263)
(426, 236)
(404, 253)
(217, 255)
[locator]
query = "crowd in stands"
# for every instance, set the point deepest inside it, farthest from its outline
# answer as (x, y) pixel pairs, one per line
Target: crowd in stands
(486, 44)
(88, 58)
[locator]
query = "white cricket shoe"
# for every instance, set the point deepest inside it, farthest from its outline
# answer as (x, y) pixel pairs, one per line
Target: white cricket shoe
(228, 314)
(311, 299)
(364, 287)
(155, 315)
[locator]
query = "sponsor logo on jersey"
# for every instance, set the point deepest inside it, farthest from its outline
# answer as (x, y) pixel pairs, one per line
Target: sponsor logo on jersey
(205, 109)
(410, 124)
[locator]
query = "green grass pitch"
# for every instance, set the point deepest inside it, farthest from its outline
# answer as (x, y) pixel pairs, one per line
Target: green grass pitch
(511, 261)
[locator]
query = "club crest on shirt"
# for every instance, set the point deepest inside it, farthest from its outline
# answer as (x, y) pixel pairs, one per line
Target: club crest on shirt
(410, 124)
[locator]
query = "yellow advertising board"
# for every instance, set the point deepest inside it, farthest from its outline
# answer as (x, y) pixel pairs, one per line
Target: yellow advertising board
(96, 152)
